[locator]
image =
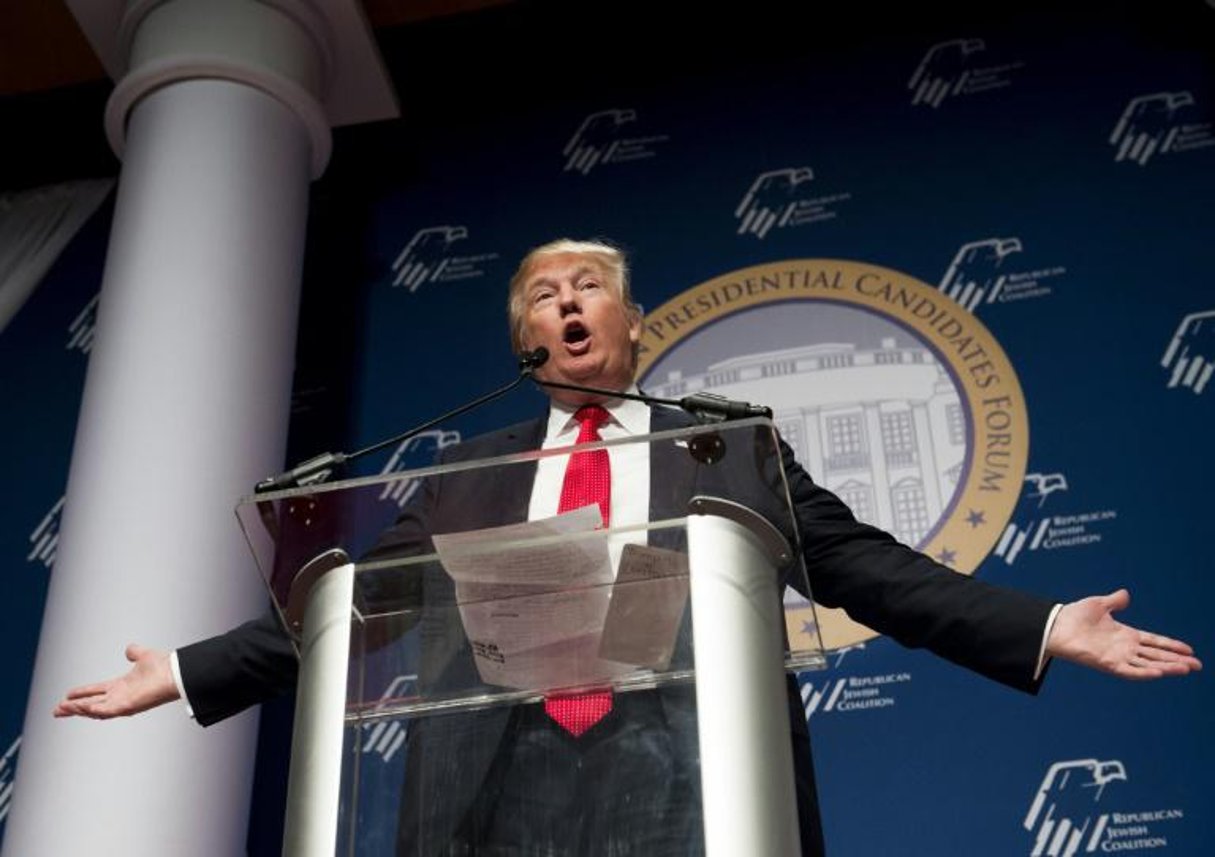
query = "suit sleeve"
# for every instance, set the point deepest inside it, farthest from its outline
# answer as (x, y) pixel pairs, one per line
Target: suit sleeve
(250, 664)
(920, 603)
(256, 662)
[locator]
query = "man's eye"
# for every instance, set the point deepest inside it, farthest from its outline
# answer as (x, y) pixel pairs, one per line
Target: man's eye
(541, 297)
(589, 284)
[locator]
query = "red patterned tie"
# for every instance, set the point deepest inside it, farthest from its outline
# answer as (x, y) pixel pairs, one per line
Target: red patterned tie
(588, 479)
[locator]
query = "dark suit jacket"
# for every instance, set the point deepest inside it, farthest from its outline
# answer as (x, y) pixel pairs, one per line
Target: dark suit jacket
(887, 586)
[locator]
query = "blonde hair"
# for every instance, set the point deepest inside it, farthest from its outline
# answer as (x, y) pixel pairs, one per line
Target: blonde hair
(611, 257)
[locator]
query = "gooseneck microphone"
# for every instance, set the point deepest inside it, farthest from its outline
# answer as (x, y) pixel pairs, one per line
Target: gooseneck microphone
(706, 407)
(319, 468)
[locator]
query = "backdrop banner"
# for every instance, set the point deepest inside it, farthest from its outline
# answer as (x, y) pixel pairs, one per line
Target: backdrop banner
(967, 263)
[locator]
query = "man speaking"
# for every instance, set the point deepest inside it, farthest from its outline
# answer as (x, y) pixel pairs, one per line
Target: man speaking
(603, 774)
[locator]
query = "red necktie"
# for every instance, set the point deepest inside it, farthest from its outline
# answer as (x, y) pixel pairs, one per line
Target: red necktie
(588, 479)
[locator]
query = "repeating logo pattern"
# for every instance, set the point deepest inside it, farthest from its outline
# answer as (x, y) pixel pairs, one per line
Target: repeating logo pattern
(600, 140)
(942, 71)
(1067, 815)
(1190, 355)
(428, 258)
(83, 326)
(980, 275)
(780, 198)
(950, 69)
(45, 537)
(1062, 813)
(1157, 124)
(408, 455)
(385, 737)
(975, 273)
(1031, 530)
(8, 768)
(850, 693)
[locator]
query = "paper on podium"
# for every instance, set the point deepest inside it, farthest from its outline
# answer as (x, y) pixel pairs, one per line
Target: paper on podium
(648, 602)
(534, 598)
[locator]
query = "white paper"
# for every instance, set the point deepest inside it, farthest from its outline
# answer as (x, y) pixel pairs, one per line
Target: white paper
(533, 598)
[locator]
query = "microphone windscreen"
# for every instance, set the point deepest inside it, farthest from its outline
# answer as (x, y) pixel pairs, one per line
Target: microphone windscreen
(533, 359)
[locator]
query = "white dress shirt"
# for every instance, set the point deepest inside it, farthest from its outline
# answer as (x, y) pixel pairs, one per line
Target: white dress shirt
(630, 465)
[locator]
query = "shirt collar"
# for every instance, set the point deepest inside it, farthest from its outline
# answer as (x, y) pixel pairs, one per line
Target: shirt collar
(632, 416)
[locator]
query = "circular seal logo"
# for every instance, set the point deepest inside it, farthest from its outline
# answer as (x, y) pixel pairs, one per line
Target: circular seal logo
(892, 395)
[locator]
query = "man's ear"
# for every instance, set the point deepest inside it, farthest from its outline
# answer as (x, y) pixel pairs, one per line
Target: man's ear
(635, 326)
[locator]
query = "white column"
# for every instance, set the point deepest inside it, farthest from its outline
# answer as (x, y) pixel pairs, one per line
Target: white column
(929, 473)
(185, 407)
(883, 508)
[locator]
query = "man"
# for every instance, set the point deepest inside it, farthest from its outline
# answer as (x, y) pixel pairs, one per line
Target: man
(519, 782)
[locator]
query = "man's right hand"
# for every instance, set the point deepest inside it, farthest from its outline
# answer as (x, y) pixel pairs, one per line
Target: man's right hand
(147, 684)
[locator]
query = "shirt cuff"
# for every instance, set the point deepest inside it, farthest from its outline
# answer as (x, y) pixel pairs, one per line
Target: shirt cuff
(1050, 624)
(181, 688)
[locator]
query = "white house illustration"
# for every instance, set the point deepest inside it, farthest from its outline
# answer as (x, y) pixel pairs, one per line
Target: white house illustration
(883, 428)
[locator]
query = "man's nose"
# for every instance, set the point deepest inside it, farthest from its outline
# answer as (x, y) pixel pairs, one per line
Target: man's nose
(568, 300)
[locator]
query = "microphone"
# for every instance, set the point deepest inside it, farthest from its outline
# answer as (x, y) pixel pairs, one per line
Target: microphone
(319, 468)
(715, 408)
(707, 408)
(530, 361)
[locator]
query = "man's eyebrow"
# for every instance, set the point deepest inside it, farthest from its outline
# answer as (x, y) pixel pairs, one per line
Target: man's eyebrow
(551, 281)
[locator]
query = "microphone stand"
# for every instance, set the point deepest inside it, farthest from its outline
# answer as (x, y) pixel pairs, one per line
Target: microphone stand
(706, 407)
(319, 468)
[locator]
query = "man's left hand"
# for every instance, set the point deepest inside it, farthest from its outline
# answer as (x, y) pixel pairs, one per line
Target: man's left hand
(1087, 633)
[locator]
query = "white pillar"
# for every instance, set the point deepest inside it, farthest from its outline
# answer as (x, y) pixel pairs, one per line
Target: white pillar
(185, 407)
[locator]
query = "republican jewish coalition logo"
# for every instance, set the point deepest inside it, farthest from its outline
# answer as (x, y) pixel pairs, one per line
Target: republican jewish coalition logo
(953, 68)
(417, 451)
(1071, 814)
(604, 138)
(1064, 815)
(976, 273)
(980, 274)
(780, 198)
(429, 257)
(1157, 124)
(83, 326)
(385, 737)
(1039, 525)
(44, 540)
(892, 395)
(8, 768)
(1190, 354)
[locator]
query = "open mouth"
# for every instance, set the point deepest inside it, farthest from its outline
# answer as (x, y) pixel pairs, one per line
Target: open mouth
(575, 336)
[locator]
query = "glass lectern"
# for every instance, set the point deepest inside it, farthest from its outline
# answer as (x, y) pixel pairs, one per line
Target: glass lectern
(432, 618)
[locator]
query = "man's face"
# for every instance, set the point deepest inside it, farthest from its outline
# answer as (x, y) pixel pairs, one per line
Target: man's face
(573, 308)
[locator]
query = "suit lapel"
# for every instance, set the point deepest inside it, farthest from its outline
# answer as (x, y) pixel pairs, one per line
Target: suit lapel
(476, 499)
(506, 500)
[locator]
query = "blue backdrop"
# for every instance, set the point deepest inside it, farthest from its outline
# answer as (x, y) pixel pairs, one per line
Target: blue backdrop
(1051, 171)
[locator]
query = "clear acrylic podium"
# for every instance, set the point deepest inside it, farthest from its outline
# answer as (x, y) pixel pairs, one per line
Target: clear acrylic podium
(432, 619)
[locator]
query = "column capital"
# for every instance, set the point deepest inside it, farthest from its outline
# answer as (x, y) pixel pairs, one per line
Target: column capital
(319, 59)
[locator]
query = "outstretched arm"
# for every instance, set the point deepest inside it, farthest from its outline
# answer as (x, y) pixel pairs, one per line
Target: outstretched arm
(1087, 633)
(147, 684)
